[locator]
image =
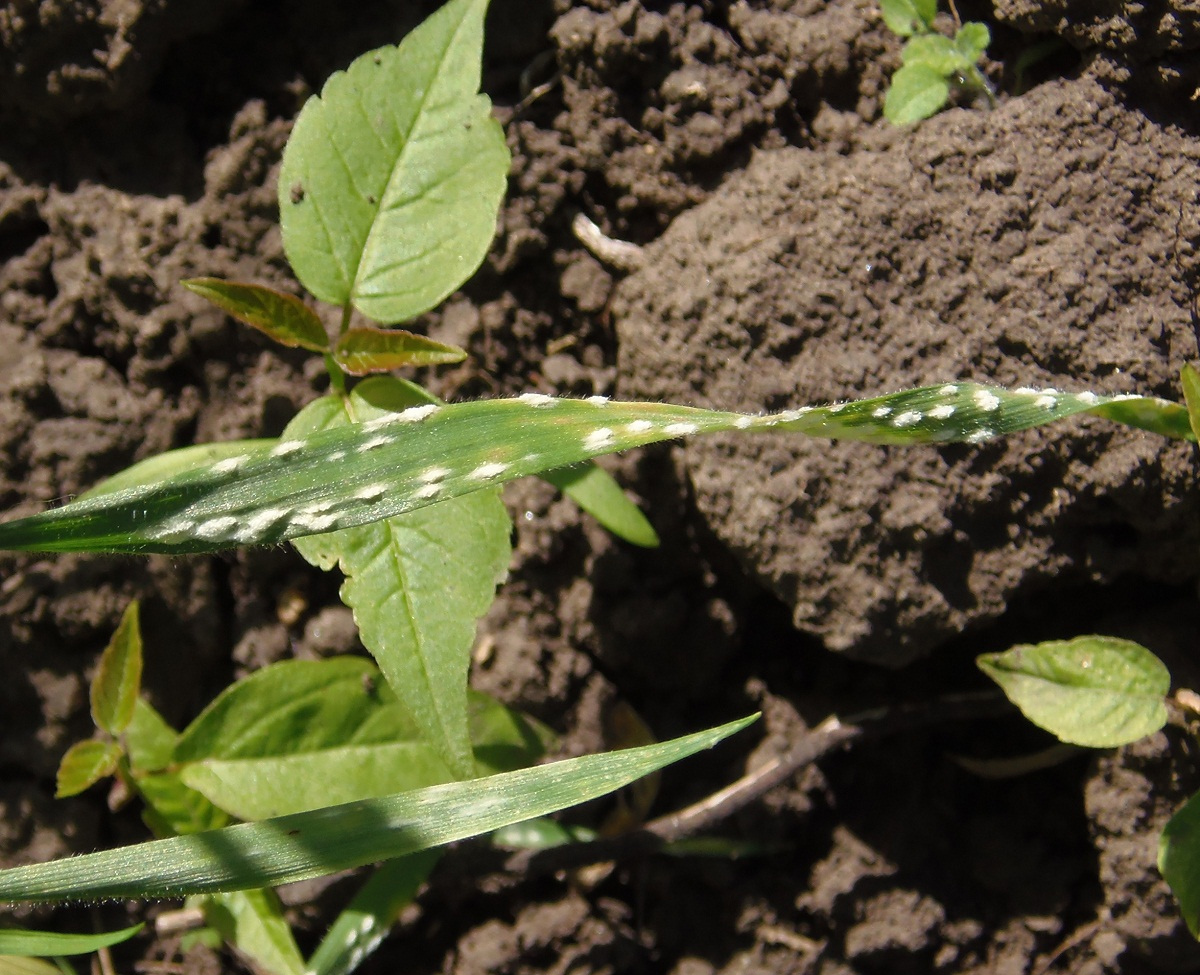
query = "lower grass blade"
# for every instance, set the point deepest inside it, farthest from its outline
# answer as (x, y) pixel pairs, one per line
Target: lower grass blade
(312, 844)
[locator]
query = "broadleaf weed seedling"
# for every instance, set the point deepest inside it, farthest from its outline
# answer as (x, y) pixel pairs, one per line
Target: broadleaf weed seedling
(1104, 692)
(389, 193)
(933, 63)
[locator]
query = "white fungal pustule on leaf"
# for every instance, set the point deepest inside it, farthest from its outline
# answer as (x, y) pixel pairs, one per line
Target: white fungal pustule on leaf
(942, 412)
(680, 429)
(230, 465)
(217, 528)
(488, 471)
(537, 399)
(374, 443)
(986, 400)
(950, 389)
(285, 448)
(598, 400)
(314, 522)
(415, 414)
(981, 435)
(639, 426)
(1088, 399)
(599, 439)
(837, 408)
(263, 521)
(372, 492)
(434, 475)
(881, 411)
(742, 423)
(336, 456)
(907, 419)
(175, 529)
(427, 491)
(1046, 401)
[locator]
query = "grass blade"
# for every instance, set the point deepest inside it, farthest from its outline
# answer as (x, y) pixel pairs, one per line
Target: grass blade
(325, 841)
(17, 941)
(359, 474)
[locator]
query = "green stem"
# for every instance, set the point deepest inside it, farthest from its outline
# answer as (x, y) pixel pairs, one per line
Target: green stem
(337, 378)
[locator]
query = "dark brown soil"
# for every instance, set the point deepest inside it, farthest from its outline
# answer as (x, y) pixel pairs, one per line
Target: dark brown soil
(800, 250)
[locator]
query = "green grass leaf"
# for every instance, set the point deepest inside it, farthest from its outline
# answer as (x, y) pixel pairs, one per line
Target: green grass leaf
(360, 928)
(325, 841)
(908, 17)
(593, 489)
(283, 317)
(418, 581)
(1179, 861)
(392, 179)
(363, 350)
(356, 475)
(85, 764)
(253, 922)
(917, 92)
(1095, 691)
(118, 680)
(42, 944)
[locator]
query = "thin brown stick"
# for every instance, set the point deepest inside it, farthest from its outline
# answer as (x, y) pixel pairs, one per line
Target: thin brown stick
(709, 812)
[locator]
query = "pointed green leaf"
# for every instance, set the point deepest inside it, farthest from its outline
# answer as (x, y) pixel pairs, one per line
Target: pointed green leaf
(325, 841)
(149, 740)
(1190, 380)
(363, 350)
(392, 178)
(416, 582)
(593, 489)
(361, 927)
(1179, 861)
(174, 809)
(1096, 691)
(293, 707)
(253, 922)
(17, 941)
(118, 679)
(917, 92)
(283, 317)
(252, 789)
(349, 476)
(908, 17)
(300, 734)
(85, 764)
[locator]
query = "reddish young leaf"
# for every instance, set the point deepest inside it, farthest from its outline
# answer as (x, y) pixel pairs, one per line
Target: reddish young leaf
(285, 318)
(363, 350)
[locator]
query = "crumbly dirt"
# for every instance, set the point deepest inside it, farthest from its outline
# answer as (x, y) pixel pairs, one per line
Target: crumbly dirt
(799, 250)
